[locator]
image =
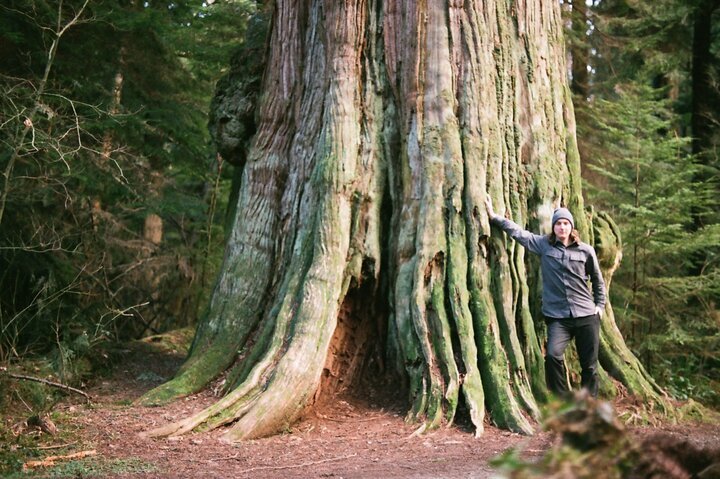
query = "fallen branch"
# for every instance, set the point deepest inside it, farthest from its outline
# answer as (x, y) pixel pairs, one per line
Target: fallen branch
(46, 381)
(231, 458)
(50, 460)
(291, 466)
(57, 446)
(349, 418)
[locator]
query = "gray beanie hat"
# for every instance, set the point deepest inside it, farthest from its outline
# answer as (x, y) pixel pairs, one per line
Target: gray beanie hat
(562, 214)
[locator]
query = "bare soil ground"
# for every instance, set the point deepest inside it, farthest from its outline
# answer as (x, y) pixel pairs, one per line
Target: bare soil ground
(349, 438)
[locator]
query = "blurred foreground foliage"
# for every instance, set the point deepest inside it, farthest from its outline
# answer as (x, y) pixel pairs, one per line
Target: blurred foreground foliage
(592, 441)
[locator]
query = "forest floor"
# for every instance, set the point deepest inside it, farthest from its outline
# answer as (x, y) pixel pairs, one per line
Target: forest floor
(350, 438)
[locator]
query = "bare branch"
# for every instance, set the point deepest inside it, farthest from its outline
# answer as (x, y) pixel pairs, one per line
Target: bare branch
(37, 104)
(45, 381)
(50, 299)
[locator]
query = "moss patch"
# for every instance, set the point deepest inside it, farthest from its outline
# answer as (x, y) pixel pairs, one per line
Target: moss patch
(176, 341)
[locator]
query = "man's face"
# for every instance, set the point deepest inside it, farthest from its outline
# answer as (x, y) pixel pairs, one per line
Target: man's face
(562, 229)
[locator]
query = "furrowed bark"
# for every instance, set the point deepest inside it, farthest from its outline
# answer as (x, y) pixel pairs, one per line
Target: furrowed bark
(254, 256)
(382, 127)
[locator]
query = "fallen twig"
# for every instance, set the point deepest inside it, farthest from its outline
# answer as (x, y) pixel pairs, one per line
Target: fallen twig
(230, 458)
(304, 464)
(50, 460)
(46, 381)
(57, 446)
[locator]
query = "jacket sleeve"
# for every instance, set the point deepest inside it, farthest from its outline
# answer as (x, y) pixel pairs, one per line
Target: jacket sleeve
(530, 241)
(598, 283)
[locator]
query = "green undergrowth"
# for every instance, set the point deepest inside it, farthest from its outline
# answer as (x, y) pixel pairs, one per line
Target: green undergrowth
(19, 443)
(20, 397)
(692, 411)
(95, 466)
(22, 400)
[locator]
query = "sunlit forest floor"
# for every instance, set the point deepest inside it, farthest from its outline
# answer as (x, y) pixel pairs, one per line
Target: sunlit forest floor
(352, 437)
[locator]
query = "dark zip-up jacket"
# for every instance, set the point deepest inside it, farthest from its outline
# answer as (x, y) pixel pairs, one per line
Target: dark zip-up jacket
(565, 272)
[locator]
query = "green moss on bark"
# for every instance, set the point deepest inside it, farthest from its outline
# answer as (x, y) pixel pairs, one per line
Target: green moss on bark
(380, 133)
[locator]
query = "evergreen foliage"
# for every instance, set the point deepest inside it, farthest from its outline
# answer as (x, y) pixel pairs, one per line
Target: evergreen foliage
(111, 216)
(636, 140)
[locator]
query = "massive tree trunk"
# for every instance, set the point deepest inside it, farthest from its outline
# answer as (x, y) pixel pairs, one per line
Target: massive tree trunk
(360, 223)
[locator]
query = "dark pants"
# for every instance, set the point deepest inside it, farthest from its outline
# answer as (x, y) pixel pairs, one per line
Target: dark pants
(586, 331)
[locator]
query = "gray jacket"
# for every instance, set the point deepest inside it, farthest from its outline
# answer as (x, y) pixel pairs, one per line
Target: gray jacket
(565, 272)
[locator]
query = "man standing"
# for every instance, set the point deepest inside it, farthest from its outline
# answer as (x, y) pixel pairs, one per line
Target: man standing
(571, 309)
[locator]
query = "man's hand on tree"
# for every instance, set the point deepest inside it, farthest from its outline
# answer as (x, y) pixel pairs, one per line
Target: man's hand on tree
(489, 207)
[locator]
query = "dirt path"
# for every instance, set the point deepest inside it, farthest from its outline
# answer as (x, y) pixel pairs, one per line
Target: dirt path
(350, 439)
(353, 442)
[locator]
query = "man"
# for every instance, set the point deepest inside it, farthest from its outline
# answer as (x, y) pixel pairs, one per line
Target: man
(570, 308)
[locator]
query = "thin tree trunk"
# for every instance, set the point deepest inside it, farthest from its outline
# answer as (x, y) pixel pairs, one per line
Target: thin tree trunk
(115, 103)
(704, 94)
(579, 50)
(704, 107)
(381, 129)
